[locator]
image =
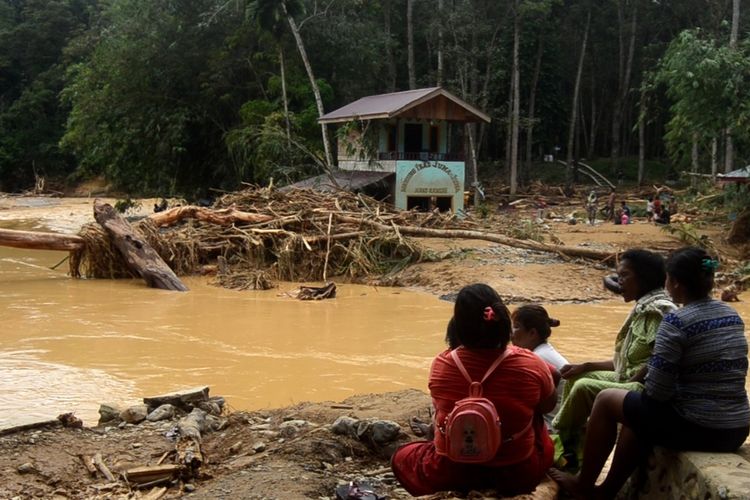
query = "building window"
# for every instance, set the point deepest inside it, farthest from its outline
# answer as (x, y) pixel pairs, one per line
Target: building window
(434, 139)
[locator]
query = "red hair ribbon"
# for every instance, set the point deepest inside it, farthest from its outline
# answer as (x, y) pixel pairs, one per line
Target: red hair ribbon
(489, 314)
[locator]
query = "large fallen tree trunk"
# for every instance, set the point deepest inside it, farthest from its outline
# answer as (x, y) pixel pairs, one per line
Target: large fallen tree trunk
(479, 235)
(223, 217)
(40, 241)
(140, 257)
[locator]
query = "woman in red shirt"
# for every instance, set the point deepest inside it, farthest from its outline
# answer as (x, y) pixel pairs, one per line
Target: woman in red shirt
(521, 388)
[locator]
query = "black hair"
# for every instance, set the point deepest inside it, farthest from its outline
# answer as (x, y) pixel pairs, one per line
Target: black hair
(471, 328)
(693, 268)
(648, 268)
(451, 336)
(535, 316)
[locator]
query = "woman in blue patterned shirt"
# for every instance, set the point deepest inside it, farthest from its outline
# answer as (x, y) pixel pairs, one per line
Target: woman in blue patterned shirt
(695, 397)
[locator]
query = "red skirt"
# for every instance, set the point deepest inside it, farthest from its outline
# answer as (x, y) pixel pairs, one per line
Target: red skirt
(421, 471)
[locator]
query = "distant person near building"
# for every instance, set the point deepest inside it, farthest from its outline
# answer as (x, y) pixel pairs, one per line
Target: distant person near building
(591, 206)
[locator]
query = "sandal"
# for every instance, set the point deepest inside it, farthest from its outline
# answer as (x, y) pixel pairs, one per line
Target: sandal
(357, 491)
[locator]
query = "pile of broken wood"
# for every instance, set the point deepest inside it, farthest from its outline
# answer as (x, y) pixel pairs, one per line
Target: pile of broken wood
(252, 237)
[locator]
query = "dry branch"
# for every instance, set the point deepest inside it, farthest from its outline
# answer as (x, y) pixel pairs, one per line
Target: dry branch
(97, 460)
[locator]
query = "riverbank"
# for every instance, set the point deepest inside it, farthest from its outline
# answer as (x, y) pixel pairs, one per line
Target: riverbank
(259, 456)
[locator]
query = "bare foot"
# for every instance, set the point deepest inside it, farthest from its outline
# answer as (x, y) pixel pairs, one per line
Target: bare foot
(421, 428)
(571, 483)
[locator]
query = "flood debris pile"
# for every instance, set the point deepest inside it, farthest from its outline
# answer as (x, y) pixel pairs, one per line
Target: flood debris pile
(255, 236)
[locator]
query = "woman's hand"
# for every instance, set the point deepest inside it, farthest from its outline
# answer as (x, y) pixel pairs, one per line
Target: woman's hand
(570, 371)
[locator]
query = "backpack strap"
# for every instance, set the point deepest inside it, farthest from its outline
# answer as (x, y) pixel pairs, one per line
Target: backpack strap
(519, 433)
(462, 368)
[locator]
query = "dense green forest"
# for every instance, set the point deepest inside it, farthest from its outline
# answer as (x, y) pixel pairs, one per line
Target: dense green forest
(171, 97)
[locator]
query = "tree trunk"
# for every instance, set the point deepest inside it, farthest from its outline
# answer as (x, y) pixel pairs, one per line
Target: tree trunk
(642, 137)
(515, 115)
(40, 241)
(532, 108)
(471, 128)
(142, 260)
(587, 253)
(734, 35)
(284, 98)
(440, 45)
(593, 122)
(626, 67)
(389, 48)
(314, 85)
(574, 107)
(714, 157)
(410, 44)
(694, 160)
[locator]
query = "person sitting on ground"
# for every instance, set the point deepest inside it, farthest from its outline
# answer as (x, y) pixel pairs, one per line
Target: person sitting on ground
(521, 388)
(591, 206)
(532, 327)
(664, 217)
(641, 276)
(624, 213)
(695, 396)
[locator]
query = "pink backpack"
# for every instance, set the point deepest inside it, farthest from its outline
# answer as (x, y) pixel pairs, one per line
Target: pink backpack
(472, 428)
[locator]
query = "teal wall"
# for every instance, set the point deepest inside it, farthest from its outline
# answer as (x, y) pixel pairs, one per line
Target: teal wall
(430, 178)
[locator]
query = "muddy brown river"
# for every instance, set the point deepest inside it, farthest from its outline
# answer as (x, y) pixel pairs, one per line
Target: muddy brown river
(69, 345)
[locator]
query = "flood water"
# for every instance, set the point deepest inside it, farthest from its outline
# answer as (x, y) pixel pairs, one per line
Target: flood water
(69, 345)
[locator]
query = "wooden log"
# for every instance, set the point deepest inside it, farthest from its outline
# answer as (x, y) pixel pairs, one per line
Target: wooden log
(151, 473)
(155, 494)
(185, 399)
(99, 462)
(88, 462)
(141, 258)
(188, 445)
(223, 217)
(27, 427)
(424, 232)
(36, 240)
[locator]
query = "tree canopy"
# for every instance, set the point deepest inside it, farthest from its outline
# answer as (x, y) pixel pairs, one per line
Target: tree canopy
(175, 97)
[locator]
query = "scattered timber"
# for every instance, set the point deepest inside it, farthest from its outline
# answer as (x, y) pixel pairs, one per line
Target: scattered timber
(424, 232)
(222, 217)
(141, 258)
(152, 474)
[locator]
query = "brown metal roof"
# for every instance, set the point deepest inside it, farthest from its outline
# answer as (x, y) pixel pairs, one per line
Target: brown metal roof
(350, 180)
(384, 106)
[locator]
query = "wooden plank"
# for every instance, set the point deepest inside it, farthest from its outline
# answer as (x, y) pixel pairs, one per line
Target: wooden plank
(140, 257)
(99, 462)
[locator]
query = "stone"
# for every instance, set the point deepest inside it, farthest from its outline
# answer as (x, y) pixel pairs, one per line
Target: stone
(189, 488)
(25, 468)
(378, 432)
(291, 427)
(109, 413)
(259, 447)
(214, 423)
(163, 412)
(134, 414)
(345, 426)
